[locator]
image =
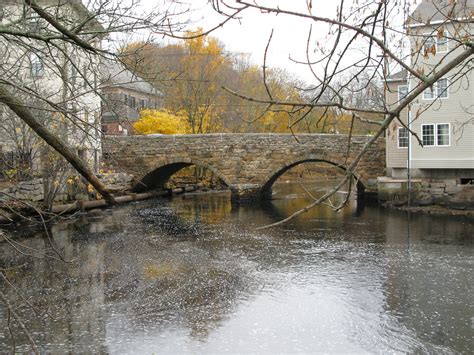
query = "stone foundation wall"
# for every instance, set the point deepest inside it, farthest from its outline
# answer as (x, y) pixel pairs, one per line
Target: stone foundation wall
(33, 190)
(25, 190)
(424, 192)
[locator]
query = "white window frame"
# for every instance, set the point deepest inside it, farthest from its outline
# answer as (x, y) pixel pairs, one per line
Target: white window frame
(399, 90)
(431, 36)
(398, 137)
(423, 136)
(449, 135)
(437, 40)
(433, 91)
(428, 37)
(435, 134)
(429, 93)
(445, 92)
(37, 66)
(33, 20)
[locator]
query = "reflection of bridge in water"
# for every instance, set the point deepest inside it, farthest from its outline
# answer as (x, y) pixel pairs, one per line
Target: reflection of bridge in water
(248, 164)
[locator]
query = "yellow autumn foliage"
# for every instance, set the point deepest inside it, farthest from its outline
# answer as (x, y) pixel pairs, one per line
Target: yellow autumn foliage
(162, 122)
(276, 122)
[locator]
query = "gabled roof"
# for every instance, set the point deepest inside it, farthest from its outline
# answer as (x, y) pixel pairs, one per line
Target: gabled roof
(436, 11)
(84, 12)
(77, 5)
(115, 74)
(398, 76)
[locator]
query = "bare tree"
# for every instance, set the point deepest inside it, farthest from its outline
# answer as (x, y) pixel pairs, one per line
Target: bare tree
(366, 43)
(50, 56)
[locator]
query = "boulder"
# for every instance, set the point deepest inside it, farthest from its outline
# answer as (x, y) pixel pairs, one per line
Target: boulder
(424, 199)
(463, 200)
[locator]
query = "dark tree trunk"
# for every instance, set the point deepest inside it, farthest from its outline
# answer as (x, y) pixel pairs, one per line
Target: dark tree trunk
(55, 142)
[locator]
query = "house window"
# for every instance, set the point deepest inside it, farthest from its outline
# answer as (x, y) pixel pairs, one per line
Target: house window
(435, 134)
(442, 88)
(402, 92)
(33, 19)
(442, 43)
(436, 44)
(442, 134)
(36, 65)
(429, 93)
(429, 45)
(142, 103)
(125, 99)
(133, 102)
(402, 137)
(427, 134)
(437, 90)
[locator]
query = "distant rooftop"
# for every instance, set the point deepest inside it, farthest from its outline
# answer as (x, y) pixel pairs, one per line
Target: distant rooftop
(429, 11)
(398, 76)
(116, 75)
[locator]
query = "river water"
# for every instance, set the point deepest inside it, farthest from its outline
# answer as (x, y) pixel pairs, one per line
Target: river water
(194, 275)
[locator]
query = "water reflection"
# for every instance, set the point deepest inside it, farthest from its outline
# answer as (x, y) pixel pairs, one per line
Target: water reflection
(192, 274)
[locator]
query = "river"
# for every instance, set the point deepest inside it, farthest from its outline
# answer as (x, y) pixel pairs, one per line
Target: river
(193, 274)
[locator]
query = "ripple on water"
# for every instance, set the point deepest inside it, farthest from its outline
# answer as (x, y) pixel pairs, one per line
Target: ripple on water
(166, 277)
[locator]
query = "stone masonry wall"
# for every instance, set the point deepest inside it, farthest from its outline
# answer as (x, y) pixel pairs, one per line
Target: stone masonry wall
(243, 161)
(33, 190)
(425, 192)
(25, 190)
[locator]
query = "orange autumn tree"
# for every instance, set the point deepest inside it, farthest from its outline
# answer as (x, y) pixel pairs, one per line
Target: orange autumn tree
(197, 87)
(192, 72)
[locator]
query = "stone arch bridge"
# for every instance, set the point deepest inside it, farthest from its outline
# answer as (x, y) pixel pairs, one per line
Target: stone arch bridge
(247, 163)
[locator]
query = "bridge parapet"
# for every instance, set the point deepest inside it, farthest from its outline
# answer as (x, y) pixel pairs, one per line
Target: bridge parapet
(247, 163)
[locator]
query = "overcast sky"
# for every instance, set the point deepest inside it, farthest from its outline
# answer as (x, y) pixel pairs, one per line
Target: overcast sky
(250, 35)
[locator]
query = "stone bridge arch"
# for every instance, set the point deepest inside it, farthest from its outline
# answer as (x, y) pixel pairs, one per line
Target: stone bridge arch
(160, 174)
(247, 163)
(271, 178)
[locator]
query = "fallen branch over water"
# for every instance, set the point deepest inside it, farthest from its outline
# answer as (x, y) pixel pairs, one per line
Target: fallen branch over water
(9, 217)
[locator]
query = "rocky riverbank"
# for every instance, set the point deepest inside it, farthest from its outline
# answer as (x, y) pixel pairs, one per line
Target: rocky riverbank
(434, 210)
